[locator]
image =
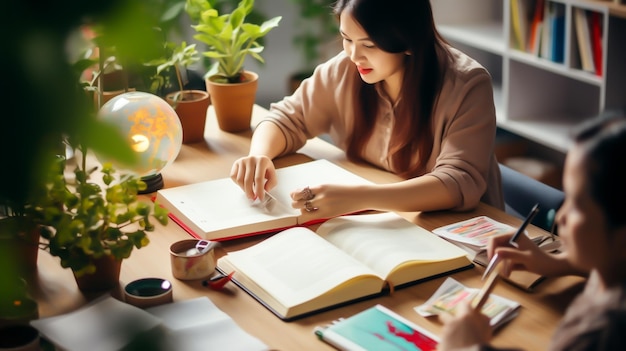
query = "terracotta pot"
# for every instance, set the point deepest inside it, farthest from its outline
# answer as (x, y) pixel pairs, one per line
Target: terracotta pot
(106, 276)
(191, 111)
(21, 243)
(110, 94)
(233, 102)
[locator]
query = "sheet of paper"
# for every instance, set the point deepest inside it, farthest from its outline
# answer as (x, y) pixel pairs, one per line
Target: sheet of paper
(198, 324)
(109, 324)
(105, 325)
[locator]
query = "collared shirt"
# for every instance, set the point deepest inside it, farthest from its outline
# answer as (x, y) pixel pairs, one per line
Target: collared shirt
(464, 124)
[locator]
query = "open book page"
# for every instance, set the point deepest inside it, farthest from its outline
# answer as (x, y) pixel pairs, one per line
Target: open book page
(219, 209)
(311, 174)
(198, 324)
(451, 293)
(296, 266)
(393, 247)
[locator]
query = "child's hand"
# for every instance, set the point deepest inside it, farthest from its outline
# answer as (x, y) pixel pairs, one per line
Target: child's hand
(527, 256)
(466, 328)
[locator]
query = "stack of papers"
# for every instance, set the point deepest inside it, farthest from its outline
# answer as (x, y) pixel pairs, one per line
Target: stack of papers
(474, 233)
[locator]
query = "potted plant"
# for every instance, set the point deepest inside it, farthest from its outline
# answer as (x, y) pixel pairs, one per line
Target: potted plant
(230, 40)
(92, 226)
(317, 31)
(19, 237)
(190, 105)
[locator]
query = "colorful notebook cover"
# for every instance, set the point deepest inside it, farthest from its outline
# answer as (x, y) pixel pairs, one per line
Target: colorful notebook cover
(377, 328)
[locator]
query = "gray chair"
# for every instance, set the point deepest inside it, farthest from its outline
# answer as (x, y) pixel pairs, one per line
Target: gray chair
(522, 192)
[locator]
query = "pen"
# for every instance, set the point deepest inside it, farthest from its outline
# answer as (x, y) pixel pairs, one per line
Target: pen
(531, 215)
(483, 295)
(513, 241)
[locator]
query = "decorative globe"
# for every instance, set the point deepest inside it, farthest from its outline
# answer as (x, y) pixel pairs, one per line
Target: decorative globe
(152, 128)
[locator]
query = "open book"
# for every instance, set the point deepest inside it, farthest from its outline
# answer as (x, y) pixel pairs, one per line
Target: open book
(219, 209)
(298, 272)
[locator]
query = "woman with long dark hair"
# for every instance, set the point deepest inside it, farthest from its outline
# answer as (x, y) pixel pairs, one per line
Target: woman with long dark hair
(397, 97)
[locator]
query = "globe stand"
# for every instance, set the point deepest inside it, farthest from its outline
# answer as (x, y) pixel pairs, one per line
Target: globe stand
(154, 182)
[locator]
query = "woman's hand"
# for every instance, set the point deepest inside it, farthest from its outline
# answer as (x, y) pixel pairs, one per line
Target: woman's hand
(328, 200)
(466, 328)
(255, 175)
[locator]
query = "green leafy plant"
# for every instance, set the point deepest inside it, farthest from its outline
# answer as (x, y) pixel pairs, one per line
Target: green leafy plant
(87, 220)
(180, 57)
(229, 38)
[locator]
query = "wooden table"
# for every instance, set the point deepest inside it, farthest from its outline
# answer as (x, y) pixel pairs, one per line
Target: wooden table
(56, 291)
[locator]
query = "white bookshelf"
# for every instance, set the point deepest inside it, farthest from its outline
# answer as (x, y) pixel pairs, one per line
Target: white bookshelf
(535, 97)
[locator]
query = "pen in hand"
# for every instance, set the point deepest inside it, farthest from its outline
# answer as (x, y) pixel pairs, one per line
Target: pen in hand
(483, 295)
(513, 241)
(527, 220)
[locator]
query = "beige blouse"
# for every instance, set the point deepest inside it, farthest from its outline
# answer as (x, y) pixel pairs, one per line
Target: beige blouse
(464, 124)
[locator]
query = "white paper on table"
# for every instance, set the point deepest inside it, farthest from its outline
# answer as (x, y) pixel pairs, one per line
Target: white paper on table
(104, 325)
(198, 324)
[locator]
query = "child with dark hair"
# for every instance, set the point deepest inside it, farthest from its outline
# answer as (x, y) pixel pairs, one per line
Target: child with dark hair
(592, 228)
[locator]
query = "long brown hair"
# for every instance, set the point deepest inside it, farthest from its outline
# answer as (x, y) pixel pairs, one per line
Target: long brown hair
(399, 26)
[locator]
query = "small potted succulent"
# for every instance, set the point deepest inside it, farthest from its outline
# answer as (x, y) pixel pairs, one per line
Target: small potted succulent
(229, 40)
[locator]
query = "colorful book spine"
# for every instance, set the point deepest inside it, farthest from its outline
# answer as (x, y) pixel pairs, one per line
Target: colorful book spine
(558, 34)
(535, 28)
(595, 20)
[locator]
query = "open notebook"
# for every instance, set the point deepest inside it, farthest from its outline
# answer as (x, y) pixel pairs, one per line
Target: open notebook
(219, 209)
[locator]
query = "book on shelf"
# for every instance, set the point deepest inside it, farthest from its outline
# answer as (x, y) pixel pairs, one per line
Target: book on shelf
(557, 22)
(108, 324)
(536, 25)
(473, 236)
(448, 296)
(377, 328)
(298, 272)
(519, 21)
(219, 209)
(545, 46)
(595, 24)
(583, 39)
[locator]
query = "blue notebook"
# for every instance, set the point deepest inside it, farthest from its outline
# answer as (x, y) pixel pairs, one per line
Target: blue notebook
(377, 328)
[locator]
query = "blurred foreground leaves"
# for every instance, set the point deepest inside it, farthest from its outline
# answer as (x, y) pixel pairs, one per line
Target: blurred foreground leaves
(43, 100)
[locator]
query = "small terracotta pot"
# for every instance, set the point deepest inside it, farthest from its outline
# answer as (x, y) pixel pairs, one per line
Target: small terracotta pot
(106, 276)
(191, 110)
(233, 102)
